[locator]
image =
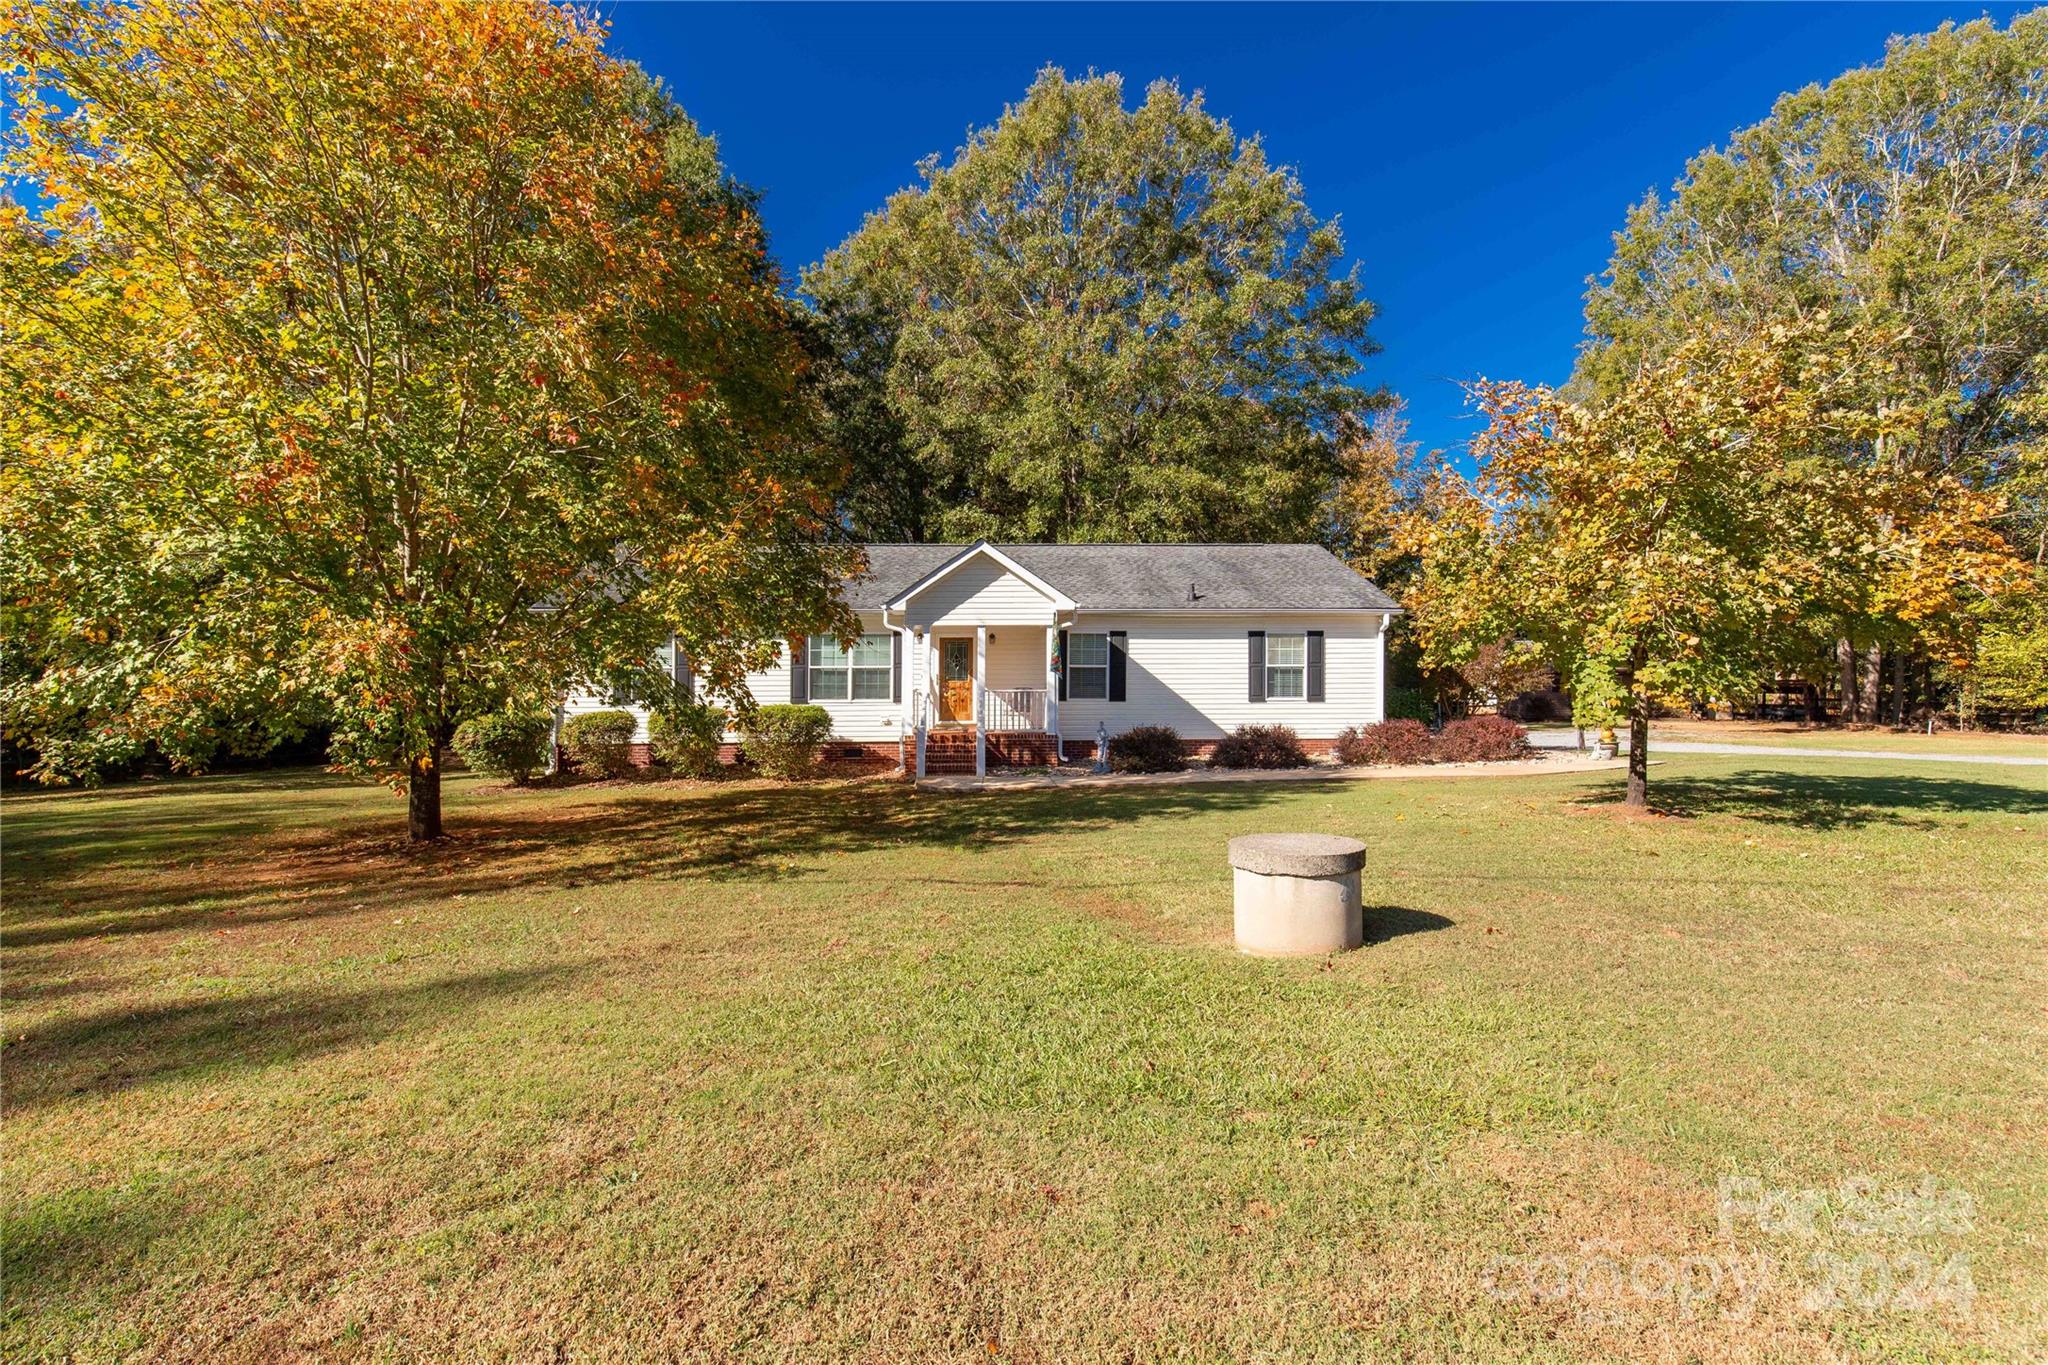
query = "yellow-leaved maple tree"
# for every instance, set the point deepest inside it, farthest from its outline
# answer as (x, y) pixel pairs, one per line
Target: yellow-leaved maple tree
(378, 365)
(1721, 512)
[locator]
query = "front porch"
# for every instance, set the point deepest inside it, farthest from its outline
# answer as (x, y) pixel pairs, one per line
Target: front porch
(983, 697)
(982, 638)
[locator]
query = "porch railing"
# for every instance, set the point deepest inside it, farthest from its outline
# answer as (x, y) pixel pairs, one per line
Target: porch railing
(1013, 708)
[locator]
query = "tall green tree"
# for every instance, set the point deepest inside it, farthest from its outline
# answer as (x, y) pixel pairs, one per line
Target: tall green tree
(1097, 323)
(389, 362)
(1905, 199)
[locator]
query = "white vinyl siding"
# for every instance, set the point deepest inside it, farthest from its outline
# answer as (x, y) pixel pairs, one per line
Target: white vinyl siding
(980, 592)
(870, 720)
(1188, 671)
(1016, 657)
(578, 703)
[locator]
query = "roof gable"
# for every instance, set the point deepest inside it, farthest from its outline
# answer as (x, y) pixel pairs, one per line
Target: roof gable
(1140, 578)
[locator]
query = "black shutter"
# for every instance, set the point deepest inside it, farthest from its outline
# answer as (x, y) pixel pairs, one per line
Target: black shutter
(896, 666)
(1255, 642)
(1314, 689)
(799, 672)
(1063, 665)
(685, 682)
(1119, 643)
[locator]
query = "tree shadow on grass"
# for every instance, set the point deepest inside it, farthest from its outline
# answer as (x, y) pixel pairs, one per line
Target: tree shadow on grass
(116, 1050)
(750, 833)
(1828, 801)
(154, 821)
(268, 782)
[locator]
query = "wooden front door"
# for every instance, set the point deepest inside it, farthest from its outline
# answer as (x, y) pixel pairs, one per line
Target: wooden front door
(956, 680)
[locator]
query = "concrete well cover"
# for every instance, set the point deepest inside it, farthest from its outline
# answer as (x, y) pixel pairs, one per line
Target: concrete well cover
(1297, 855)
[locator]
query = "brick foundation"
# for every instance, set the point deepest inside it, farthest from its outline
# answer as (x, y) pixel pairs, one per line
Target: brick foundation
(1014, 750)
(842, 756)
(1011, 749)
(1083, 750)
(837, 756)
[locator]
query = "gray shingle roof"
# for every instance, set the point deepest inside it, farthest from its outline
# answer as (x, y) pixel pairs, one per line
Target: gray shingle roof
(1151, 577)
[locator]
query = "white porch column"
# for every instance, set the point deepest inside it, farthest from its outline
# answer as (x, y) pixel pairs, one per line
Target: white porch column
(980, 700)
(1052, 691)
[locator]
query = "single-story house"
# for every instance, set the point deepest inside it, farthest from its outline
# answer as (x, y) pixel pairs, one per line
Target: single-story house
(972, 655)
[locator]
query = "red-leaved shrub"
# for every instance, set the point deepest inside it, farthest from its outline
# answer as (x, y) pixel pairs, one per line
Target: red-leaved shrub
(1147, 749)
(1259, 746)
(1390, 741)
(1481, 739)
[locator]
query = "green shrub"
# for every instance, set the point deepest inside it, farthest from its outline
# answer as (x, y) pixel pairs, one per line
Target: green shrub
(1390, 741)
(1408, 703)
(510, 744)
(1147, 749)
(783, 740)
(1259, 746)
(1481, 739)
(601, 742)
(686, 736)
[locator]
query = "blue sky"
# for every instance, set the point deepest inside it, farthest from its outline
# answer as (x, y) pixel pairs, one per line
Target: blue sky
(1479, 156)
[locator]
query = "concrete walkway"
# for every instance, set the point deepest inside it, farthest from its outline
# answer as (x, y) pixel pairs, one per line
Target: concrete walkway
(1566, 741)
(1083, 775)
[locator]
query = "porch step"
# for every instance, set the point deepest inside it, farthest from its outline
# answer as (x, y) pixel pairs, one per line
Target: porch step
(950, 753)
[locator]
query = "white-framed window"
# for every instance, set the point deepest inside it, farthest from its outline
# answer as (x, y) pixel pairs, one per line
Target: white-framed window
(862, 673)
(1088, 667)
(1287, 667)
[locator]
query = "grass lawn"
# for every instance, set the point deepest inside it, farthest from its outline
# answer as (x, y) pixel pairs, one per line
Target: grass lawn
(1791, 735)
(660, 1070)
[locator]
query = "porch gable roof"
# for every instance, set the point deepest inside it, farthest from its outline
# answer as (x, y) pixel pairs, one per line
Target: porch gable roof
(979, 548)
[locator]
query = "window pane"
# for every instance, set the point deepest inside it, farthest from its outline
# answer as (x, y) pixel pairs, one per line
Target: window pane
(871, 684)
(1088, 651)
(872, 652)
(1286, 651)
(1088, 683)
(828, 684)
(826, 653)
(1284, 682)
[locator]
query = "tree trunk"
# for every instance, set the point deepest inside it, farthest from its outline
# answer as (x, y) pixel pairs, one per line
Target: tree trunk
(1845, 660)
(1638, 732)
(423, 797)
(1638, 750)
(1898, 689)
(1816, 712)
(1866, 692)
